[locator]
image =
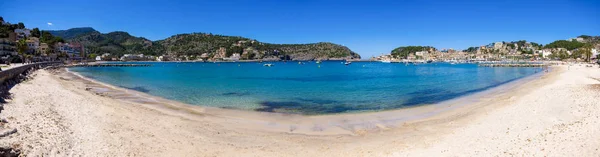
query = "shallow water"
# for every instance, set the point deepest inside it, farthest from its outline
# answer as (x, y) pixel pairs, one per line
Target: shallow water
(310, 88)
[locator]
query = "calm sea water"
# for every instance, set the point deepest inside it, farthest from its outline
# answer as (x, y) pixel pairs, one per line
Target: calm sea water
(310, 88)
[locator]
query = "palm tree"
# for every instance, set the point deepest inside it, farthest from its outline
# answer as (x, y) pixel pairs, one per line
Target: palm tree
(587, 52)
(21, 48)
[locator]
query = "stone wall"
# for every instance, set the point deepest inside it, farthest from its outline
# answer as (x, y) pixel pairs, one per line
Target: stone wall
(10, 77)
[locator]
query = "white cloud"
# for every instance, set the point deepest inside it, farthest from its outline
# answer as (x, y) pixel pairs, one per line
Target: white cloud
(49, 23)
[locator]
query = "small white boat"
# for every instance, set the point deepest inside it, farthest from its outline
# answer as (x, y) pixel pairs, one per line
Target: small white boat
(386, 61)
(268, 65)
(318, 62)
(348, 63)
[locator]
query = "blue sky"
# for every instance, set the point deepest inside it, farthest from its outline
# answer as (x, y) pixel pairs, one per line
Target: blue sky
(369, 27)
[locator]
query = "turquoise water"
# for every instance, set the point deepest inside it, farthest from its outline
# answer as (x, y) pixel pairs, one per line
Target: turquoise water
(311, 88)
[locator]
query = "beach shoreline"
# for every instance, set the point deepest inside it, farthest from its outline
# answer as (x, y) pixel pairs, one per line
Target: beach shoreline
(106, 124)
(329, 124)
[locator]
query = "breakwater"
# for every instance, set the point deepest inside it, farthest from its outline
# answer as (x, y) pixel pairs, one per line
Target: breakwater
(110, 65)
(512, 65)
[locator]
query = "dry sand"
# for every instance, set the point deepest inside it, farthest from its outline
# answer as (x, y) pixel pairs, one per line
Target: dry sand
(556, 114)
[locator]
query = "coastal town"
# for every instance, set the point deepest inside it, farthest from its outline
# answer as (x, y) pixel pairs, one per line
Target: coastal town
(388, 78)
(586, 49)
(20, 44)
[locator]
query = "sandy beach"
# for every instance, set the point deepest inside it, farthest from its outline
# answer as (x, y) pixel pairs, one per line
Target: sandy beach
(57, 113)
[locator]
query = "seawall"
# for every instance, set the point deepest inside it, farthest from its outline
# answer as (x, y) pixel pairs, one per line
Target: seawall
(10, 77)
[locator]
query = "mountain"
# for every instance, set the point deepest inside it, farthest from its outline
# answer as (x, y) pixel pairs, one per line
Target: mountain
(202, 45)
(219, 46)
(405, 51)
(72, 33)
(115, 43)
(319, 51)
(575, 43)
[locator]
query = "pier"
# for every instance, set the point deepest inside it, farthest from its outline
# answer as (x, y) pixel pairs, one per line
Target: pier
(111, 65)
(512, 65)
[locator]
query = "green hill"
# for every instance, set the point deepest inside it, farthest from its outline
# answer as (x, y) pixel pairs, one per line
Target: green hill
(115, 43)
(204, 45)
(219, 46)
(72, 33)
(405, 51)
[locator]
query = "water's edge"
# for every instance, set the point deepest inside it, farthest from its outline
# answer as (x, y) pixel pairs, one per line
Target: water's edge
(343, 123)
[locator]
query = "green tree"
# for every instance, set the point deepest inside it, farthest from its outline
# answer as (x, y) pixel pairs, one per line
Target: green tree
(49, 39)
(232, 50)
(585, 36)
(92, 56)
(20, 25)
(46, 37)
(569, 45)
(534, 44)
(403, 52)
(251, 56)
(21, 48)
(586, 51)
(35, 32)
(471, 49)
(576, 54)
(562, 55)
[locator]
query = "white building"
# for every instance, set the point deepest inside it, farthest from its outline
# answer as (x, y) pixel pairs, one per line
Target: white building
(70, 49)
(545, 53)
(234, 57)
(137, 57)
(498, 45)
(33, 45)
(421, 53)
(22, 33)
(594, 53)
(98, 58)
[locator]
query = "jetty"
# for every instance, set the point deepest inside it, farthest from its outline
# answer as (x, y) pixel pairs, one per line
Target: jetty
(512, 65)
(110, 65)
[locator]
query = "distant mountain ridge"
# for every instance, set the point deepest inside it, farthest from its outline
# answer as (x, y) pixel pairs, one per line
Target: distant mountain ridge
(220, 46)
(116, 43)
(202, 45)
(72, 33)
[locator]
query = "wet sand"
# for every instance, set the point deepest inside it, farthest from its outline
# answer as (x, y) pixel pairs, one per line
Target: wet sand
(63, 114)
